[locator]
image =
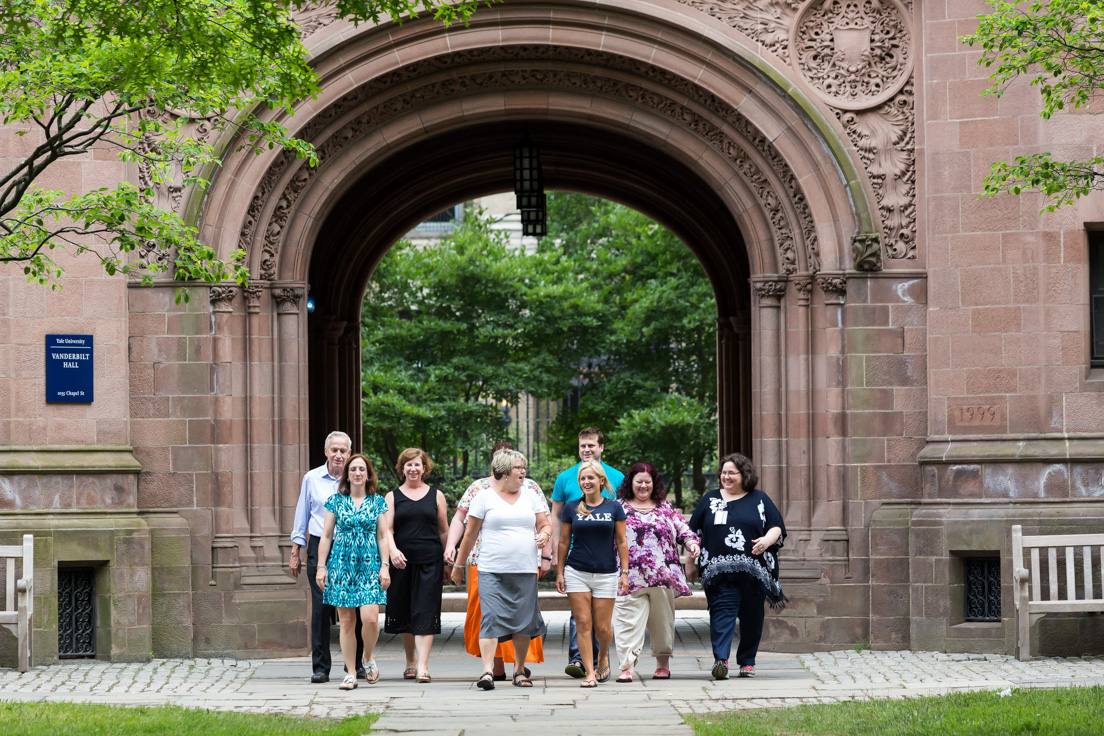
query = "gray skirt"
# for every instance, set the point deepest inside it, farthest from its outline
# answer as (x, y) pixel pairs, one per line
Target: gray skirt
(508, 601)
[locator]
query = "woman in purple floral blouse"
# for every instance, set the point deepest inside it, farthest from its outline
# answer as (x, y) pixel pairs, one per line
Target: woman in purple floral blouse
(654, 529)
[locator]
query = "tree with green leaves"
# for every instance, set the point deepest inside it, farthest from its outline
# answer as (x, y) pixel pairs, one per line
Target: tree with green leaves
(1057, 46)
(650, 382)
(137, 79)
(454, 332)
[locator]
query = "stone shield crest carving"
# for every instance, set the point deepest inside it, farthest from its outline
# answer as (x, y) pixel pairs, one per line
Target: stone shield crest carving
(855, 53)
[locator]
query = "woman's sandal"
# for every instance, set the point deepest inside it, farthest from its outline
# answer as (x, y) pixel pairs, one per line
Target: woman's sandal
(485, 681)
(625, 677)
(589, 682)
(371, 673)
(410, 673)
(424, 678)
(502, 677)
(662, 673)
(349, 683)
(521, 679)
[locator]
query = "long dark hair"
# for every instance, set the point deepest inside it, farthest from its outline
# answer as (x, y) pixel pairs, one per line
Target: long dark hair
(369, 486)
(748, 477)
(658, 491)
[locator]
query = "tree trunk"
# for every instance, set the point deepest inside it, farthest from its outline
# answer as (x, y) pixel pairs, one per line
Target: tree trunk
(464, 474)
(390, 449)
(699, 476)
(678, 488)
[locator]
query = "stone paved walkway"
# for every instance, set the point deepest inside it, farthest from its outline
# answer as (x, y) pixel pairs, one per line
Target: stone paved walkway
(452, 705)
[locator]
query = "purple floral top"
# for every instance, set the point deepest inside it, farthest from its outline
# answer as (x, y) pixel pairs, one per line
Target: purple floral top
(653, 538)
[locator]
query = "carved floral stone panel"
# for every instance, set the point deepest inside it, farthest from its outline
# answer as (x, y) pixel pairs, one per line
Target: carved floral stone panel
(774, 202)
(857, 55)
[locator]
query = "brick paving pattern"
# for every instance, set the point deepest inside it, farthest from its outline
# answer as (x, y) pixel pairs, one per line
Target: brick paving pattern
(451, 704)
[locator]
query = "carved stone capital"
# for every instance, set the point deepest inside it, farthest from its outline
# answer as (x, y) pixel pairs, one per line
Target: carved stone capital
(770, 291)
(287, 300)
(222, 298)
(253, 298)
(834, 287)
(866, 251)
(804, 286)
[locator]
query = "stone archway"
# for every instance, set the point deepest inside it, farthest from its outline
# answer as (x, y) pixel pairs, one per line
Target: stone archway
(678, 116)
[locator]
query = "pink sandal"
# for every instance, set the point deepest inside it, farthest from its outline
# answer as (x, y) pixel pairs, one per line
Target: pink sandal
(662, 673)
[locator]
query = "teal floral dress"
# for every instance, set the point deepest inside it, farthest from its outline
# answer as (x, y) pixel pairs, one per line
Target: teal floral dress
(352, 572)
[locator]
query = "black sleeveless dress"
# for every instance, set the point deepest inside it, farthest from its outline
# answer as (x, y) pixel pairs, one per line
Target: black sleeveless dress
(414, 596)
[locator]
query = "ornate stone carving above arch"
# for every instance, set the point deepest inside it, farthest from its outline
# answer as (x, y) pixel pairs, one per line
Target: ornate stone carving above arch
(776, 187)
(857, 55)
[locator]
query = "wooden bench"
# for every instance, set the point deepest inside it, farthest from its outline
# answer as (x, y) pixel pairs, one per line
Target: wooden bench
(1029, 591)
(19, 599)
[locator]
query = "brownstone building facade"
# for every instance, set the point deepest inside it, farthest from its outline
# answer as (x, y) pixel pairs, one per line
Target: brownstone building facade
(908, 364)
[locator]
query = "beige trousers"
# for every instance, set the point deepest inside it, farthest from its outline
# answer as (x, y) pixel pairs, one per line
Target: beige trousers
(648, 609)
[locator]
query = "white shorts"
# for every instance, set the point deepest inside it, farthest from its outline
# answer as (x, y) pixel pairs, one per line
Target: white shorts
(598, 584)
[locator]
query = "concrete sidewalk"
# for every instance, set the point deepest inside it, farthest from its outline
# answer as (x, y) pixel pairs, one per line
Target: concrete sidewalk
(556, 703)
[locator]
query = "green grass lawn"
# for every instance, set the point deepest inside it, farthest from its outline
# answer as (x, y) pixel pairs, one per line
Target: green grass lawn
(1073, 711)
(55, 719)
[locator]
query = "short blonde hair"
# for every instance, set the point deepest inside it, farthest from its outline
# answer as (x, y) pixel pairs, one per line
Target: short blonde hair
(409, 454)
(603, 479)
(503, 462)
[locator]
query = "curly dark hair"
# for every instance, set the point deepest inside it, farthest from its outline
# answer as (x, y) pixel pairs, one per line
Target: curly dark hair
(748, 477)
(658, 491)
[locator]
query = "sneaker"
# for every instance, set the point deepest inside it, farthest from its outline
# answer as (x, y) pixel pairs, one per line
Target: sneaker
(575, 669)
(720, 669)
(747, 670)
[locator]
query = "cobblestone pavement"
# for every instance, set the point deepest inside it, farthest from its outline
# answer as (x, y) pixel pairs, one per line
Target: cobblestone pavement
(451, 704)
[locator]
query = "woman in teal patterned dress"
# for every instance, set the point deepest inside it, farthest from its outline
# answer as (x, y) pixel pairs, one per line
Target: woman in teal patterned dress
(357, 571)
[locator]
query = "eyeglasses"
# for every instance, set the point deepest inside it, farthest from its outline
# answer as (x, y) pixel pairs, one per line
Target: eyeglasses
(730, 472)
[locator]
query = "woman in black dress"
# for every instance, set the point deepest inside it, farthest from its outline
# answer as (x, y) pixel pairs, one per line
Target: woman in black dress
(418, 525)
(741, 532)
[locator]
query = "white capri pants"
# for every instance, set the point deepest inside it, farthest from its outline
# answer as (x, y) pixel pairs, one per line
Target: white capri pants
(648, 609)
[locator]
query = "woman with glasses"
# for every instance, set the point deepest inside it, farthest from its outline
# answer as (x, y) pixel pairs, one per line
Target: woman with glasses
(741, 532)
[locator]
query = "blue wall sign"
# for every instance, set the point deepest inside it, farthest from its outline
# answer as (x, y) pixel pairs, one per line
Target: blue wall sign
(69, 369)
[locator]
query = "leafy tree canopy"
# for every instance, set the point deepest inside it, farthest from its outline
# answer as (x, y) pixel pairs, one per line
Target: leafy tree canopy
(136, 79)
(611, 312)
(1057, 45)
(454, 332)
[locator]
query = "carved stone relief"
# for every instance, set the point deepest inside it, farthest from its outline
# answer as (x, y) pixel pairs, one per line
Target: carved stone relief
(735, 150)
(287, 300)
(834, 287)
(222, 298)
(858, 56)
(770, 292)
(855, 53)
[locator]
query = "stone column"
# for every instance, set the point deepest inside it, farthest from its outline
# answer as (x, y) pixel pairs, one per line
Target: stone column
(770, 443)
(800, 457)
(830, 508)
(350, 387)
(264, 531)
(229, 481)
(728, 370)
(289, 411)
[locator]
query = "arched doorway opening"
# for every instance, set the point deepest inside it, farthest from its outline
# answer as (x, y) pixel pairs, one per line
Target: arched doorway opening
(405, 188)
(675, 116)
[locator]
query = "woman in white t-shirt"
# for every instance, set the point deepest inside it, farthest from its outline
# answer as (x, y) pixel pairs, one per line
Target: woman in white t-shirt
(514, 529)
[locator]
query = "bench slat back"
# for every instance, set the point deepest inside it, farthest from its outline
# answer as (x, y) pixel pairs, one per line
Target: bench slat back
(11, 553)
(1074, 588)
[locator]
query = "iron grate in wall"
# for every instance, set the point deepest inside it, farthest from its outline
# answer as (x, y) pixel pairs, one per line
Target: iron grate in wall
(983, 588)
(76, 612)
